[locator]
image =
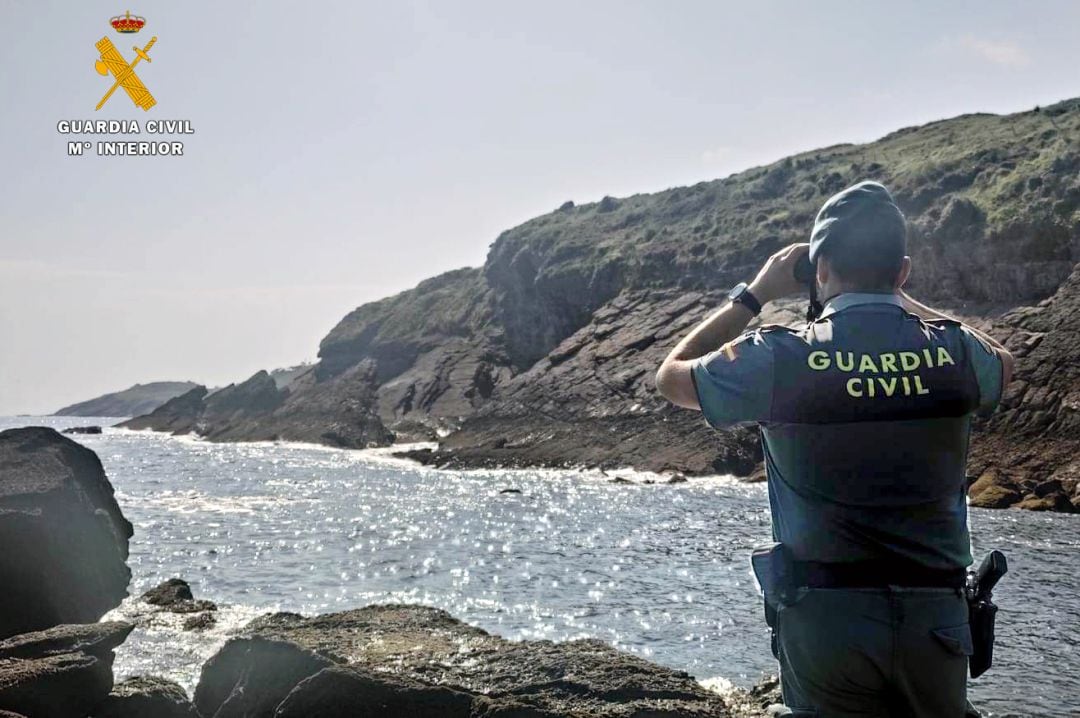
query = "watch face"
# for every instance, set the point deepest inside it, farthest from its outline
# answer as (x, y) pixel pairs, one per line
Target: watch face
(737, 291)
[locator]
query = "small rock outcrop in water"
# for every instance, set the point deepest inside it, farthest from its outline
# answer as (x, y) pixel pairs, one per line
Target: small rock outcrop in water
(420, 661)
(62, 672)
(65, 542)
(169, 592)
(146, 697)
(83, 430)
(175, 595)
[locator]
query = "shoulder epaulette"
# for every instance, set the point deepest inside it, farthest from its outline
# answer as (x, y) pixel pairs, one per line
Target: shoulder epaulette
(945, 322)
(778, 328)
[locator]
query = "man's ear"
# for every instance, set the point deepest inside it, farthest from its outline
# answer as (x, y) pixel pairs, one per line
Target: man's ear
(905, 272)
(822, 271)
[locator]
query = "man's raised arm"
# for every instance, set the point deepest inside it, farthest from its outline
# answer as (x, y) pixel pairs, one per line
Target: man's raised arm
(674, 379)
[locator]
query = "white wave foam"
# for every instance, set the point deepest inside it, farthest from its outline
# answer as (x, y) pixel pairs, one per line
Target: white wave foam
(160, 646)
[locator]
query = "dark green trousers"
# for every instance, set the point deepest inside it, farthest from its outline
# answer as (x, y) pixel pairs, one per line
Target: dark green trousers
(896, 652)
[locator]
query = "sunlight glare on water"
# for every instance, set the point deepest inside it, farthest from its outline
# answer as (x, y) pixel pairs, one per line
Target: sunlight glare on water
(659, 570)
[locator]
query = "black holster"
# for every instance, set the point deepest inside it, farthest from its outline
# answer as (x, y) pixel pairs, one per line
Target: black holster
(772, 566)
(981, 617)
(982, 612)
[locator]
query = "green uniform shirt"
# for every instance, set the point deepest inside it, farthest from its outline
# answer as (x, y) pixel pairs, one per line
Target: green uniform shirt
(865, 415)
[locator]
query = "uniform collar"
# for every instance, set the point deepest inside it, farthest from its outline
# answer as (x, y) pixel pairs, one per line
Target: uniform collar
(854, 299)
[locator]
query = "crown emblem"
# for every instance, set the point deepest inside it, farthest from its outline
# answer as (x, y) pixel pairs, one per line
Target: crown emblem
(127, 22)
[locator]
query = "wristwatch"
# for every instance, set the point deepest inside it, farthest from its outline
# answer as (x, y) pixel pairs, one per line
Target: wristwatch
(740, 294)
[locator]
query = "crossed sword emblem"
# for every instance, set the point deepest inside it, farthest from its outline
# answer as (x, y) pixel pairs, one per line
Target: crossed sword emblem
(112, 61)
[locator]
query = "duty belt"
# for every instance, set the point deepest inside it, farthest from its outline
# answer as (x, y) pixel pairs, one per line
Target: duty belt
(873, 574)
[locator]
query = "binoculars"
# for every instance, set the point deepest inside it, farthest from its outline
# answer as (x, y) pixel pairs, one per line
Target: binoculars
(805, 274)
(804, 271)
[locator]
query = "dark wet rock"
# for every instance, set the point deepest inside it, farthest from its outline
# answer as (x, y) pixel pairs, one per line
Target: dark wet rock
(1048, 488)
(83, 430)
(175, 595)
(345, 692)
(252, 676)
(417, 656)
(67, 685)
(509, 491)
(59, 672)
(95, 639)
(676, 479)
(169, 592)
(65, 540)
(146, 697)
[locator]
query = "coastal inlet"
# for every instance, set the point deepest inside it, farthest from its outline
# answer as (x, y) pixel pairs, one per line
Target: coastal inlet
(659, 570)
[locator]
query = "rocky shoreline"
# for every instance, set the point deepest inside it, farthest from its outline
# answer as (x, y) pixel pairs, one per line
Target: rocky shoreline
(380, 660)
(545, 355)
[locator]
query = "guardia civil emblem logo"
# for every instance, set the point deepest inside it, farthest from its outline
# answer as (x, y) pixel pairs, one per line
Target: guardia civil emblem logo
(123, 73)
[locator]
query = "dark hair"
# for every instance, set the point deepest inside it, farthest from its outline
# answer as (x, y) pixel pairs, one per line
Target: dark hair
(869, 256)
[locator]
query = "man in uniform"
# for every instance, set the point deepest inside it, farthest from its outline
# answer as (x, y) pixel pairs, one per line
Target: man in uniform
(864, 414)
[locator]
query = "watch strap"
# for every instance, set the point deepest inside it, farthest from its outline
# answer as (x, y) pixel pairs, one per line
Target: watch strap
(748, 300)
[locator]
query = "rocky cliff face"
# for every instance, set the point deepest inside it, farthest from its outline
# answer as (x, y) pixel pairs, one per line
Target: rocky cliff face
(546, 354)
(1029, 452)
(590, 400)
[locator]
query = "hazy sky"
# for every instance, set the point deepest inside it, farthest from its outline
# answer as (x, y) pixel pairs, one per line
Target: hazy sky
(346, 150)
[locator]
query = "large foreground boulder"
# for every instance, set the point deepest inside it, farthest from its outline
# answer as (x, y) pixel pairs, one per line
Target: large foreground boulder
(65, 541)
(64, 672)
(419, 661)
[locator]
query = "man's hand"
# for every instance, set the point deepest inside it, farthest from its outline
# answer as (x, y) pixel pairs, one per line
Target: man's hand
(777, 278)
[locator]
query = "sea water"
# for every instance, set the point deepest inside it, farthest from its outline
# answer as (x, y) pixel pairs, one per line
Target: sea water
(658, 570)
